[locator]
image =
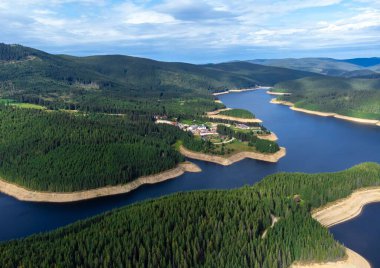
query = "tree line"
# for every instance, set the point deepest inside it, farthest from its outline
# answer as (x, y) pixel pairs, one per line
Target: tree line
(261, 145)
(203, 229)
(59, 151)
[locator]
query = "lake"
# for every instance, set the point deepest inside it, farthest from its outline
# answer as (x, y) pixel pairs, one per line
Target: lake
(314, 144)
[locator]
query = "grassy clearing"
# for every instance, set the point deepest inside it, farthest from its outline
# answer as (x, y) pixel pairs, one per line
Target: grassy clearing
(235, 147)
(29, 106)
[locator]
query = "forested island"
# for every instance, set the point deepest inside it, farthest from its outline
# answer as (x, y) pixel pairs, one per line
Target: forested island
(215, 228)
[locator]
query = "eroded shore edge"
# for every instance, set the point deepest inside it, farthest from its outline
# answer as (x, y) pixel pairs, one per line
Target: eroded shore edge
(347, 208)
(24, 194)
(338, 212)
(325, 114)
(352, 260)
(226, 161)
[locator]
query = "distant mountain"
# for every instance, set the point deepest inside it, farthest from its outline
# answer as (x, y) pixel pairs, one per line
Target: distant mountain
(376, 68)
(364, 62)
(264, 75)
(326, 66)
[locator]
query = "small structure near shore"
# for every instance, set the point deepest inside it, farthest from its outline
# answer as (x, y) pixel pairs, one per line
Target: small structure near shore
(242, 126)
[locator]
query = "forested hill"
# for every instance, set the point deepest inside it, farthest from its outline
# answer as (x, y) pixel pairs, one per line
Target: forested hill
(347, 96)
(358, 68)
(203, 229)
(265, 75)
(121, 84)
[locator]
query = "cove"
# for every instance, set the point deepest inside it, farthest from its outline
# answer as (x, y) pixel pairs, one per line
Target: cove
(314, 144)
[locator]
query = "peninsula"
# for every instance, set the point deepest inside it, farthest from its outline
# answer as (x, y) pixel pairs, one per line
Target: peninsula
(326, 114)
(24, 194)
(212, 218)
(355, 99)
(229, 160)
(233, 115)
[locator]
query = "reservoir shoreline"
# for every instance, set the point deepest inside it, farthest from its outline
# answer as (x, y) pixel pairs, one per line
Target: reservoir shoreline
(24, 194)
(338, 212)
(216, 115)
(352, 260)
(226, 161)
(347, 208)
(239, 90)
(326, 114)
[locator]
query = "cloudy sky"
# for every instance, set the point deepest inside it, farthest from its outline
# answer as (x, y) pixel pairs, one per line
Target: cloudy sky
(195, 30)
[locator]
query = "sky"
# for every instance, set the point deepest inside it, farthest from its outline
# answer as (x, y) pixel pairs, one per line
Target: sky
(197, 31)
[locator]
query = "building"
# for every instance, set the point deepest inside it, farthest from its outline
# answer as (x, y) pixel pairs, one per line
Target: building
(242, 126)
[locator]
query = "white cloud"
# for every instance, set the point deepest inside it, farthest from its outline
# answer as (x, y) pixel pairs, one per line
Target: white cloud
(191, 24)
(133, 14)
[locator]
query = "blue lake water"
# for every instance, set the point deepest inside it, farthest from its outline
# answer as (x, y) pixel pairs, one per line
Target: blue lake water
(314, 144)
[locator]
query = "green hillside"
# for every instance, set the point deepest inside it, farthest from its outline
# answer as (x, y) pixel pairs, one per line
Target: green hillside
(365, 73)
(262, 75)
(74, 123)
(351, 97)
(122, 84)
(203, 229)
(59, 151)
(326, 66)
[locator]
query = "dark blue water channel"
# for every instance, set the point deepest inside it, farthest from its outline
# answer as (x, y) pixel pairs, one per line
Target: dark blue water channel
(314, 144)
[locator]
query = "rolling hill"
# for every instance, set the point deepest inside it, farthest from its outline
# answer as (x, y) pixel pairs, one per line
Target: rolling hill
(364, 62)
(346, 96)
(358, 68)
(89, 121)
(120, 84)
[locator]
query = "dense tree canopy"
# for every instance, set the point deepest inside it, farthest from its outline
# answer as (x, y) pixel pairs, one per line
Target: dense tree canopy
(351, 97)
(59, 151)
(205, 228)
(261, 145)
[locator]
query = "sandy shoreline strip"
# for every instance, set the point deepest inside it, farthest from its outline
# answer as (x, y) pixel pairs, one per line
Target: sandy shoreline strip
(237, 119)
(271, 137)
(241, 90)
(347, 208)
(353, 260)
(278, 93)
(273, 158)
(234, 91)
(325, 114)
(216, 115)
(218, 111)
(338, 212)
(24, 194)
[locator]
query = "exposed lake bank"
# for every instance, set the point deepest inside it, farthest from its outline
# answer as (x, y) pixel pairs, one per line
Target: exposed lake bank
(348, 208)
(352, 260)
(240, 90)
(325, 152)
(233, 91)
(24, 194)
(226, 161)
(326, 114)
(278, 93)
(231, 118)
(338, 212)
